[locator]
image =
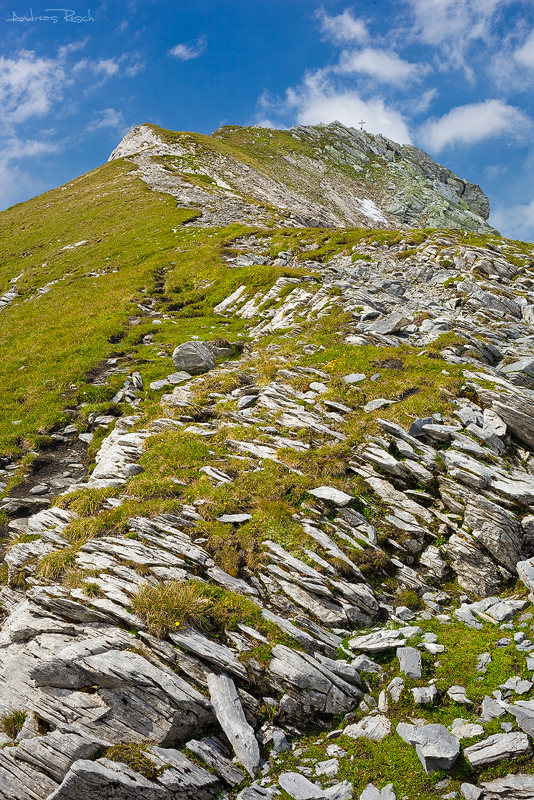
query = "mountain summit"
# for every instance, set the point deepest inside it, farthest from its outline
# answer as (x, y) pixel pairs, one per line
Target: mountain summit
(313, 176)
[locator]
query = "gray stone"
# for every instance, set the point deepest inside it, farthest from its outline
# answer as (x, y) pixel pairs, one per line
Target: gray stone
(96, 780)
(374, 405)
(410, 662)
(482, 662)
(434, 745)
(525, 572)
(181, 777)
(341, 791)
(512, 787)
(476, 572)
(497, 529)
(457, 693)
(378, 641)
(470, 791)
(372, 793)
(523, 711)
(235, 519)
(393, 323)
(193, 358)
(212, 753)
(56, 752)
(231, 717)
(497, 747)
(461, 729)
(335, 496)
(395, 688)
(354, 377)
(300, 788)
(364, 664)
(256, 792)
(371, 727)
(416, 428)
(423, 695)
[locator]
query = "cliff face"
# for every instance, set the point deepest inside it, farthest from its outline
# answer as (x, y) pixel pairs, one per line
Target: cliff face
(320, 176)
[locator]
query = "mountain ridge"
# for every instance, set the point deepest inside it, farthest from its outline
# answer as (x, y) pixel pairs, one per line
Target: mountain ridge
(315, 175)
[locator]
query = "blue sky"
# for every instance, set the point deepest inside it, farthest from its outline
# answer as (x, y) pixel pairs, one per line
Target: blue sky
(454, 77)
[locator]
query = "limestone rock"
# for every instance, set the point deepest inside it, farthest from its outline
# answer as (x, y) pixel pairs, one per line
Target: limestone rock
(371, 727)
(193, 357)
(372, 793)
(518, 787)
(435, 746)
(497, 747)
(335, 496)
(229, 713)
(94, 780)
(410, 662)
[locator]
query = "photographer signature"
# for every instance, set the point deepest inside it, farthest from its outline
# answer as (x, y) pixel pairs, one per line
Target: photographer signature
(53, 15)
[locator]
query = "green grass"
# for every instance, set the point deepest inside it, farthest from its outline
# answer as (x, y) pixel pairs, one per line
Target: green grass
(13, 723)
(133, 755)
(166, 607)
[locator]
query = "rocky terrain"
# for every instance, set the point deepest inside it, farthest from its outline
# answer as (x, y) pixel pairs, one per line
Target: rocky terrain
(319, 176)
(275, 538)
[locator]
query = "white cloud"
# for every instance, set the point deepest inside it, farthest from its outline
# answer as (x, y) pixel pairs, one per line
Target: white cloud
(16, 149)
(474, 122)
(317, 100)
(72, 47)
(440, 20)
(28, 85)
(106, 66)
(515, 222)
(185, 52)
(457, 29)
(524, 55)
(107, 118)
(383, 65)
(342, 28)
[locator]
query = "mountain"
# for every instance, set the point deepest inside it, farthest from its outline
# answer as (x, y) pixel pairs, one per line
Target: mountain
(267, 467)
(318, 176)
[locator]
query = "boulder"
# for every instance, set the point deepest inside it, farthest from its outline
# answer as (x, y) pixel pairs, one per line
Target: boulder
(497, 529)
(410, 662)
(435, 746)
(95, 780)
(518, 787)
(231, 717)
(497, 747)
(193, 357)
(371, 727)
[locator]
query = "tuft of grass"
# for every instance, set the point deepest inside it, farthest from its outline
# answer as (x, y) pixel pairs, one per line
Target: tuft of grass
(12, 724)
(166, 606)
(79, 531)
(85, 502)
(133, 754)
(53, 565)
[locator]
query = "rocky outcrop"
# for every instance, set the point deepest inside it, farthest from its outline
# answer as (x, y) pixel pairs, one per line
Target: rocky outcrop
(362, 180)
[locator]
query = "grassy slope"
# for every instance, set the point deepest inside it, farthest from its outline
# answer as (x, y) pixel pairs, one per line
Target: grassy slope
(49, 342)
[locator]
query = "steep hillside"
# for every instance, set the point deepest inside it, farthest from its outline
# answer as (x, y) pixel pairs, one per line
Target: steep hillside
(268, 490)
